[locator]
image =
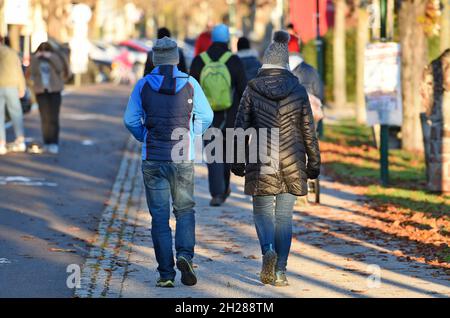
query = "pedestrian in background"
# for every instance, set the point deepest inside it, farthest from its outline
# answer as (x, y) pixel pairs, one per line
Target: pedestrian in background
(306, 73)
(12, 88)
(204, 40)
(149, 66)
(48, 72)
(294, 41)
(162, 102)
(249, 58)
(309, 77)
(221, 76)
(276, 100)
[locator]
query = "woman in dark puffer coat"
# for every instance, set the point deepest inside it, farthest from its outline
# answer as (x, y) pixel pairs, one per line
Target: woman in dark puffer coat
(276, 100)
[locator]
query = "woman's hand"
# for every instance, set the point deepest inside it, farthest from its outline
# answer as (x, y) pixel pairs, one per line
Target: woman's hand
(313, 173)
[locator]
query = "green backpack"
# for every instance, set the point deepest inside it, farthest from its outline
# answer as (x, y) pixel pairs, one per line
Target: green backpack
(215, 79)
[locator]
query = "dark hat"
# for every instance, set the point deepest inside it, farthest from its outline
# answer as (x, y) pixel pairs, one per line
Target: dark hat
(165, 52)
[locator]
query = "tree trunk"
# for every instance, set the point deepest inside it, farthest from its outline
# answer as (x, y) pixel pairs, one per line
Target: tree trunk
(14, 36)
(445, 26)
(390, 19)
(339, 66)
(249, 21)
(361, 42)
(414, 58)
(375, 20)
(57, 18)
(1, 19)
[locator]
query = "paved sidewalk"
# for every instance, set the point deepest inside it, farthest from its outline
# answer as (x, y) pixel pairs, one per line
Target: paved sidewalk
(332, 254)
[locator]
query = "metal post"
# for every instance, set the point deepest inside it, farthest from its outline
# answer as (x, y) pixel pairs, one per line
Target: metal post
(384, 154)
(319, 42)
(384, 129)
(320, 64)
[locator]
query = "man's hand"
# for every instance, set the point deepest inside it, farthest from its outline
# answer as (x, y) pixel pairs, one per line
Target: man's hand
(238, 169)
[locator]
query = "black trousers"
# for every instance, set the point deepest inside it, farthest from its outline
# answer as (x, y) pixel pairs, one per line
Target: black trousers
(49, 108)
(219, 173)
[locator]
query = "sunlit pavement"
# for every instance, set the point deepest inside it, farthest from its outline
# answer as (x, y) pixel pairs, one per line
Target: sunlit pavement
(50, 205)
(333, 255)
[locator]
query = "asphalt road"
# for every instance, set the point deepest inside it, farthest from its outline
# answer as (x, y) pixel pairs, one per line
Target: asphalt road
(50, 205)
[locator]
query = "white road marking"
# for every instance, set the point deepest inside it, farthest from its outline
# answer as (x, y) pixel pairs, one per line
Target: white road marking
(87, 142)
(26, 181)
(82, 117)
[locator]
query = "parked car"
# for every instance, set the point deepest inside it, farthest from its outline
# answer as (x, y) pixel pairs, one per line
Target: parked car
(101, 57)
(103, 53)
(138, 48)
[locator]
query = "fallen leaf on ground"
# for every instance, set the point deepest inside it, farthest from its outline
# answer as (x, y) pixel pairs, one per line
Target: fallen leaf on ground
(61, 250)
(230, 250)
(28, 238)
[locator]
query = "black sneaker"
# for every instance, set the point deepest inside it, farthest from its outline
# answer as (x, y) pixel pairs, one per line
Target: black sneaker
(165, 283)
(281, 279)
(217, 201)
(188, 276)
(268, 267)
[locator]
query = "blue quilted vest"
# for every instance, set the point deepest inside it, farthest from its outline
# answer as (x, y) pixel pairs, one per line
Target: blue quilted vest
(166, 110)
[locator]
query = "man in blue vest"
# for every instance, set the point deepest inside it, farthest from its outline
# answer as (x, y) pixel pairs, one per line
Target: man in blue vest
(163, 103)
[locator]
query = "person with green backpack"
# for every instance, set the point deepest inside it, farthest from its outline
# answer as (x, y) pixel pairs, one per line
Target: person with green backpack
(222, 77)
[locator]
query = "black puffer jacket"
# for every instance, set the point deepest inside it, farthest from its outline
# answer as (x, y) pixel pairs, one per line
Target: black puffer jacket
(275, 99)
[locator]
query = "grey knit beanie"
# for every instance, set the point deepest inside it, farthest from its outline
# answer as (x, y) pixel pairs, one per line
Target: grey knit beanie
(165, 52)
(277, 53)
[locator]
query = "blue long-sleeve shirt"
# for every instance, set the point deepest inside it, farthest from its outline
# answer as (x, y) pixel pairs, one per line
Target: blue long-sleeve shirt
(135, 116)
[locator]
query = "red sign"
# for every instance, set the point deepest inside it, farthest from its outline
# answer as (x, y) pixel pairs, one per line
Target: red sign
(302, 14)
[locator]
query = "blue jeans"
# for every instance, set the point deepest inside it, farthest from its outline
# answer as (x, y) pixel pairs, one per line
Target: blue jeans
(273, 221)
(9, 97)
(164, 180)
